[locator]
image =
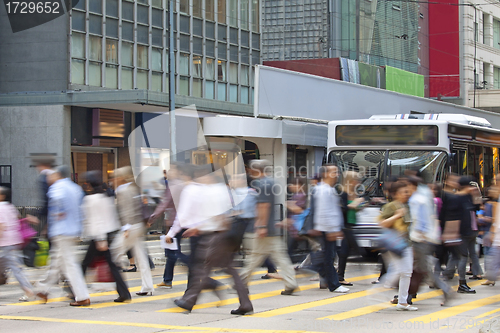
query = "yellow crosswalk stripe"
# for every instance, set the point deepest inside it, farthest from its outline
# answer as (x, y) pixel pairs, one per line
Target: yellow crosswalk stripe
(110, 293)
(455, 310)
(377, 307)
(308, 305)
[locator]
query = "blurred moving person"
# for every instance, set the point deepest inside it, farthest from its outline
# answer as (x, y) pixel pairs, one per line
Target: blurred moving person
(268, 242)
(202, 211)
(10, 241)
(129, 208)
(100, 226)
(396, 215)
(64, 230)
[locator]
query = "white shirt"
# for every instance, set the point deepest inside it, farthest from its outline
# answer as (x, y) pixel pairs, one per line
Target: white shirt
(99, 216)
(327, 212)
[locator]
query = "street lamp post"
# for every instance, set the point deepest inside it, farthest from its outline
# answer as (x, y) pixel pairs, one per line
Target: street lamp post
(171, 81)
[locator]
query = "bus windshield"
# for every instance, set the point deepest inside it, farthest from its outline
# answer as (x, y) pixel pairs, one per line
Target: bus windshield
(377, 166)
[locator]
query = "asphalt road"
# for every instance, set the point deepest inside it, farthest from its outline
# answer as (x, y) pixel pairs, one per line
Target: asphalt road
(365, 308)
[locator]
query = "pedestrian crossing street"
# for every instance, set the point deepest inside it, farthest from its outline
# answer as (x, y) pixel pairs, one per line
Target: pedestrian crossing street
(320, 309)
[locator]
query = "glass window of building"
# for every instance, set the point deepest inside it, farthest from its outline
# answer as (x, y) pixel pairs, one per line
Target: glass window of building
(184, 6)
(156, 81)
(210, 69)
(233, 73)
(184, 24)
(210, 48)
(210, 30)
(233, 93)
(77, 71)
(210, 89)
(255, 15)
(128, 31)
(209, 10)
(145, 2)
(127, 10)
(111, 76)
(78, 20)
(142, 14)
(142, 79)
(80, 5)
(111, 27)
(221, 51)
(197, 45)
(496, 34)
(233, 13)
(142, 56)
(183, 86)
(221, 91)
(184, 64)
(157, 17)
(95, 49)
(127, 78)
(156, 59)
(111, 8)
(255, 57)
(233, 53)
(245, 38)
(256, 41)
(127, 54)
(95, 24)
(197, 87)
(78, 45)
(95, 6)
(142, 34)
(197, 67)
(233, 35)
(245, 75)
(157, 37)
(245, 55)
(197, 27)
(197, 8)
(157, 3)
(221, 71)
(184, 43)
(244, 95)
(112, 51)
(244, 14)
(94, 74)
(221, 11)
(496, 78)
(222, 33)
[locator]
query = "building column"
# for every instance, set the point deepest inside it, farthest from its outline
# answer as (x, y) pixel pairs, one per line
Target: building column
(488, 75)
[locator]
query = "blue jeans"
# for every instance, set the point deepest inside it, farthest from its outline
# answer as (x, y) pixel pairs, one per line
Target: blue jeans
(172, 256)
(322, 262)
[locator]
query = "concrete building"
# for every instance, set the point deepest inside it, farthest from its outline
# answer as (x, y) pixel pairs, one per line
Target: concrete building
(77, 85)
(393, 33)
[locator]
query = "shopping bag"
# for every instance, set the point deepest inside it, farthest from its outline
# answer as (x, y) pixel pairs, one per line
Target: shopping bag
(103, 273)
(391, 240)
(42, 254)
(27, 232)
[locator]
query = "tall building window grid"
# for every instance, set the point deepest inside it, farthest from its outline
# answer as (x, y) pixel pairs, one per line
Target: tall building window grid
(109, 68)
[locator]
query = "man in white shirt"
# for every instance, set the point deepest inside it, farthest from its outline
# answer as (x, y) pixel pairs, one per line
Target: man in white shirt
(328, 220)
(202, 209)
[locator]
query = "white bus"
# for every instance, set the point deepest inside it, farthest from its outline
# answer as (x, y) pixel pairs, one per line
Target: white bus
(384, 147)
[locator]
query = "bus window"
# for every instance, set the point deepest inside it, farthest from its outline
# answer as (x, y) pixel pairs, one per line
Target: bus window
(488, 167)
(474, 162)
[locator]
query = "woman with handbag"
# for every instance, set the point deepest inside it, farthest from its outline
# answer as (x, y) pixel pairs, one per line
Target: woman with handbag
(395, 219)
(10, 241)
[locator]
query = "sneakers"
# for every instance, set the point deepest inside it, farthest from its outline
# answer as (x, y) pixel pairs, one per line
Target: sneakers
(164, 284)
(341, 289)
(401, 307)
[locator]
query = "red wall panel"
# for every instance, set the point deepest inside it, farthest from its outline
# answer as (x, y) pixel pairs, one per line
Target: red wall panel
(444, 49)
(325, 67)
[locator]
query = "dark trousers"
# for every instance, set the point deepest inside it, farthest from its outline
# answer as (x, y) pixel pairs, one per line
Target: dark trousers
(172, 256)
(348, 243)
(208, 282)
(92, 252)
(211, 251)
(322, 262)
